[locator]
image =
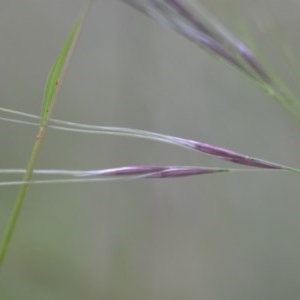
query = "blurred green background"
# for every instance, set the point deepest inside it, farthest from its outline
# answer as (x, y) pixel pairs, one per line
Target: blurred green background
(227, 236)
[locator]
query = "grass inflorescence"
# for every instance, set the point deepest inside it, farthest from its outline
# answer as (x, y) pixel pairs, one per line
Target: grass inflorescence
(192, 21)
(200, 27)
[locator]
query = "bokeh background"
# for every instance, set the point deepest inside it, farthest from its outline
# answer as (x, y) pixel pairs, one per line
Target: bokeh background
(227, 236)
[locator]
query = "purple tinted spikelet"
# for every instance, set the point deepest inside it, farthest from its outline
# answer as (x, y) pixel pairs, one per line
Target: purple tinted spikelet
(189, 16)
(153, 171)
(172, 172)
(229, 155)
(192, 21)
(204, 31)
(247, 55)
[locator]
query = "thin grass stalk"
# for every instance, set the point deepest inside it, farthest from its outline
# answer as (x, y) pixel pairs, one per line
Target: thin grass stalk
(121, 173)
(36, 149)
(205, 148)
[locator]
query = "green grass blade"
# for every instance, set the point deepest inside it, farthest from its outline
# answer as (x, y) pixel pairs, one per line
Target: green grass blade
(57, 71)
(53, 84)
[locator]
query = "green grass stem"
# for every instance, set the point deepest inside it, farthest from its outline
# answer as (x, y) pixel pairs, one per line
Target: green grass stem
(53, 85)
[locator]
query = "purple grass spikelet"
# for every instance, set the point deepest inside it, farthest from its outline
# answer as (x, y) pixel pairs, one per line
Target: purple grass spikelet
(229, 155)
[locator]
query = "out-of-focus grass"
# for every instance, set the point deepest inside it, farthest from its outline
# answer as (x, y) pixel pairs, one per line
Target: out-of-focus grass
(220, 237)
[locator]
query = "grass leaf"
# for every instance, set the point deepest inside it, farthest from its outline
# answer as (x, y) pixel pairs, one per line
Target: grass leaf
(53, 84)
(57, 71)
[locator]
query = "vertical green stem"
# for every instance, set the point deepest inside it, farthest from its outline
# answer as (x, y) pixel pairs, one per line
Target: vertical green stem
(53, 85)
(21, 196)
